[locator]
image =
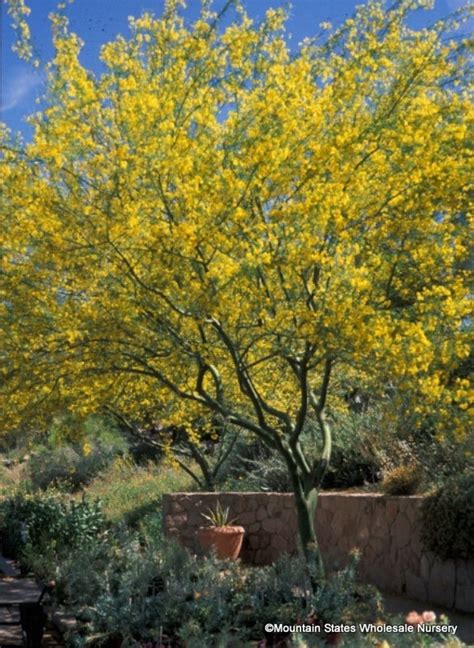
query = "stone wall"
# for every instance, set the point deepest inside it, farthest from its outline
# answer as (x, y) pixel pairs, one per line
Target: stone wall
(384, 529)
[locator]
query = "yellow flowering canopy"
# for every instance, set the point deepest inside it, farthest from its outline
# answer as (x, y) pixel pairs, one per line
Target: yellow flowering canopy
(217, 222)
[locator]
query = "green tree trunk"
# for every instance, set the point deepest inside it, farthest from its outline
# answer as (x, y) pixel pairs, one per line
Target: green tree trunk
(306, 500)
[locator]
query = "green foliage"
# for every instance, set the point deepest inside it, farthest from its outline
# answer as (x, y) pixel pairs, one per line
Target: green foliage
(10, 478)
(94, 429)
(358, 429)
(203, 602)
(74, 452)
(255, 467)
(341, 600)
(448, 518)
(402, 480)
(219, 516)
(38, 522)
(278, 591)
(442, 458)
(350, 467)
(147, 589)
(130, 493)
(150, 527)
(68, 466)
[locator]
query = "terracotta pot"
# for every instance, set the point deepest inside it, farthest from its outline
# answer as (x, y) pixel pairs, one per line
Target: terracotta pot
(226, 541)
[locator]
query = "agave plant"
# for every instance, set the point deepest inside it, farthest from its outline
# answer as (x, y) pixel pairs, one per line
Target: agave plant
(219, 516)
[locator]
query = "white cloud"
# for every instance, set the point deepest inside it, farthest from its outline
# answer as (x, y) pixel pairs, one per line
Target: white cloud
(18, 87)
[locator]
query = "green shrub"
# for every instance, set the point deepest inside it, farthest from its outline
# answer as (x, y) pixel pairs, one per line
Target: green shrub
(116, 586)
(209, 602)
(402, 480)
(350, 467)
(69, 466)
(340, 599)
(11, 476)
(38, 522)
(448, 519)
(73, 452)
(443, 458)
(357, 432)
(130, 493)
(255, 468)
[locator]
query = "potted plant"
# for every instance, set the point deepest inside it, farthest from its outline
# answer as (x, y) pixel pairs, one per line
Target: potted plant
(222, 535)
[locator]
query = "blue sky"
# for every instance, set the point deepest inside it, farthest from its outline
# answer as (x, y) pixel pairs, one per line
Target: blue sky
(98, 21)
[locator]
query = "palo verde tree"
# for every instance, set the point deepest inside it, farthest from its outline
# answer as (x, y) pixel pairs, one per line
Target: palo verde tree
(218, 223)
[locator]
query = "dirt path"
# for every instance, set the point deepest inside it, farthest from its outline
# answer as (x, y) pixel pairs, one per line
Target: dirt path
(15, 590)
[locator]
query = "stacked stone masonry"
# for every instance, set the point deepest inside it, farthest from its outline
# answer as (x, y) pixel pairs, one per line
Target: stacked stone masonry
(386, 531)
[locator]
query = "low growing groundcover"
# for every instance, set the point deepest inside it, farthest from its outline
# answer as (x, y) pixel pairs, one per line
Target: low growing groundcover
(126, 587)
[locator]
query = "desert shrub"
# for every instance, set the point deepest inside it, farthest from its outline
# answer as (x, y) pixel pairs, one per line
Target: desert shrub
(255, 468)
(442, 458)
(150, 528)
(68, 465)
(144, 453)
(208, 602)
(11, 476)
(350, 467)
(448, 518)
(340, 599)
(277, 591)
(73, 452)
(402, 480)
(129, 493)
(160, 593)
(40, 521)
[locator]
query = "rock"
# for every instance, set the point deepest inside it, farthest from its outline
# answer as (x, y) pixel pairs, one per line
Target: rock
(271, 525)
(425, 567)
(377, 548)
(464, 598)
(176, 507)
(441, 583)
(391, 510)
(265, 539)
(402, 531)
(262, 557)
(279, 542)
(274, 510)
(252, 503)
(465, 572)
(385, 529)
(289, 516)
(180, 520)
(415, 587)
(363, 535)
(246, 518)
